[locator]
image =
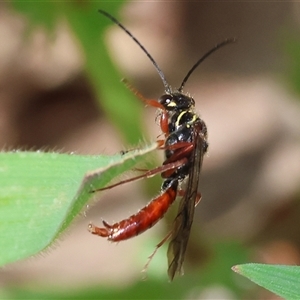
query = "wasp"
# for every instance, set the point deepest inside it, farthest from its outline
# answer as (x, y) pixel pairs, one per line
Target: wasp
(184, 145)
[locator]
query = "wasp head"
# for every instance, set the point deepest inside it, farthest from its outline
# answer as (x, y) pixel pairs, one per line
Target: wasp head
(176, 102)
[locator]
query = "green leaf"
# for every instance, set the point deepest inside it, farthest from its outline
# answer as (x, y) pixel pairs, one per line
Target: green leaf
(41, 193)
(279, 279)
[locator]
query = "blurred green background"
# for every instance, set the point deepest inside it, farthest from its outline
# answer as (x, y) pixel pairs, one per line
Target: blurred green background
(61, 65)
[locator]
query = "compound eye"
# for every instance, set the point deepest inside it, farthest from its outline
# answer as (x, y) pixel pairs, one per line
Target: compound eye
(167, 101)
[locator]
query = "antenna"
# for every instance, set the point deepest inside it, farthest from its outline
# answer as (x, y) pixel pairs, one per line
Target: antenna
(160, 72)
(168, 89)
(218, 46)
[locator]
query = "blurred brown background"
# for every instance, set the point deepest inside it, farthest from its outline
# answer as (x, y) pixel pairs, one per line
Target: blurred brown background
(251, 175)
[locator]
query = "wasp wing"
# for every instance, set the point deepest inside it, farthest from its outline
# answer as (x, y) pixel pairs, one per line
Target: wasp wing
(184, 219)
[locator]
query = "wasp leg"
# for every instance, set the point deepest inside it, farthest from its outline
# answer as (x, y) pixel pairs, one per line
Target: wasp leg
(148, 174)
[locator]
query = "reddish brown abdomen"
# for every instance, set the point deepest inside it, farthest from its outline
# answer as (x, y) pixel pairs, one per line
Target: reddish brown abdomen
(145, 218)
